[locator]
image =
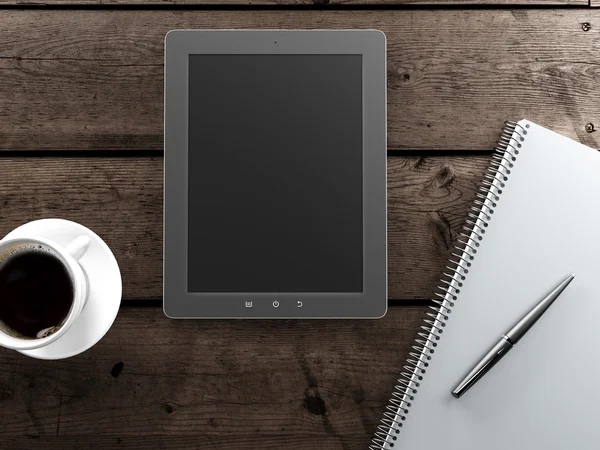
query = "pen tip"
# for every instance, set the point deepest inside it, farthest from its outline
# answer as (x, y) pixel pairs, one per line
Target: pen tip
(572, 275)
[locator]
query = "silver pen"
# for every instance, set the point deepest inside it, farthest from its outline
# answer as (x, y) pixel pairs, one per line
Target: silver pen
(508, 340)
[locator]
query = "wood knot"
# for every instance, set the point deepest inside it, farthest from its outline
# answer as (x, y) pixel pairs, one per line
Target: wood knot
(419, 162)
(169, 408)
(441, 230)
(117, 368)
(313, 403)
(444, 177)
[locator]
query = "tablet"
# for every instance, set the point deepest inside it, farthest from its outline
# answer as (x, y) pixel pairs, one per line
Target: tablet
(275, 174)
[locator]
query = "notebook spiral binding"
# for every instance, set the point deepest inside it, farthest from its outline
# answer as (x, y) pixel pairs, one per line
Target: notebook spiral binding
(498, 172)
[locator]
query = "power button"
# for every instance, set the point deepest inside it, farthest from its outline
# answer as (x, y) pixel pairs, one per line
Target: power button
(275, 304)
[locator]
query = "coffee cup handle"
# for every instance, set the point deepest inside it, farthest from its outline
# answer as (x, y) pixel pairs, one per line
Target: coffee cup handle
(78, 247)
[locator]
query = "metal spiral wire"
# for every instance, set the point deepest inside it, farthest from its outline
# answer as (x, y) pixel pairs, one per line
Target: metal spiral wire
(505, 154)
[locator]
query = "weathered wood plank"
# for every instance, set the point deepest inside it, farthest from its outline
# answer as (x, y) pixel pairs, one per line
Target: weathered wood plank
(428, 201)
(291, 3)
(122, 200)
(209, 384)
(119, 198)
(94, 79)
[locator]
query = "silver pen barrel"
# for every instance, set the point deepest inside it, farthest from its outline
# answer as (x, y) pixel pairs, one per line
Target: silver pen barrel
(482, 367)
(508, 340)
(523, 325)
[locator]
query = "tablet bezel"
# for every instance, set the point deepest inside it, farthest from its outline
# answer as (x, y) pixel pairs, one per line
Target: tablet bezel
(177, 301)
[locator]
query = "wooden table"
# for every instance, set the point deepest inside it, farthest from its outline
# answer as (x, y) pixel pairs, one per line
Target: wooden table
(81, 98)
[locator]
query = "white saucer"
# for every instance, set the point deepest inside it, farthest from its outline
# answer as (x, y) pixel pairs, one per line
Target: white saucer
(104, 285)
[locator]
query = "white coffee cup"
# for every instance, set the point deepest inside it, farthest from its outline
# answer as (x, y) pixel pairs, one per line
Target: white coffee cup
(69, 256)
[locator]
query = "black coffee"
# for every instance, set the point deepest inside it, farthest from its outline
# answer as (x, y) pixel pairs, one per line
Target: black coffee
(36, 291)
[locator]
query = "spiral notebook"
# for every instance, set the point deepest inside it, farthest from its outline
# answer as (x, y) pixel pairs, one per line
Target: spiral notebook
(535, 221)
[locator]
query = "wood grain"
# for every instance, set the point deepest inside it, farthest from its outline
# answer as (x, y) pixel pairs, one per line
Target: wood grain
(77, 79)
(118, 198)
(122, 199)
(209, 384)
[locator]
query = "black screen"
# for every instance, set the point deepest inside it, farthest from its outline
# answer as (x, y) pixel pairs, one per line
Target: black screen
(275, 173)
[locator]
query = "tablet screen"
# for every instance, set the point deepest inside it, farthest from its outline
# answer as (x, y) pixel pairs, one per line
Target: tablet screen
(275, 173)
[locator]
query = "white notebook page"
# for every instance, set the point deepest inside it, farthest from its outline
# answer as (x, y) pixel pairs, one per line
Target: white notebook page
(545, 394)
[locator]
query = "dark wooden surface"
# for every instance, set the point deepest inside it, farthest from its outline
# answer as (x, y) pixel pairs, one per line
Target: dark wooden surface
(153, 382)
(81, 139)
(93, 79)
(122, 199)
